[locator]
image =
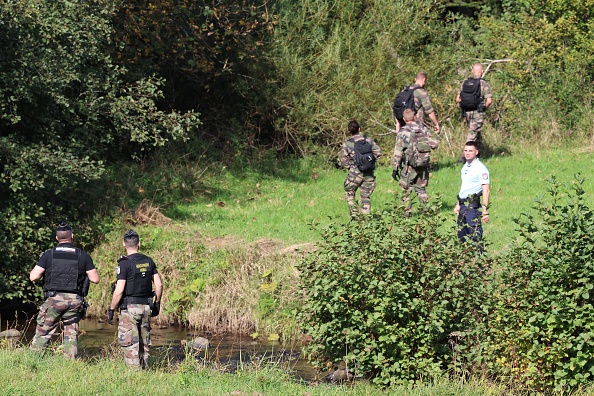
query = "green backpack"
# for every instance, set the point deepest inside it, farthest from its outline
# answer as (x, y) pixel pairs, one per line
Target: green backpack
(419, 151)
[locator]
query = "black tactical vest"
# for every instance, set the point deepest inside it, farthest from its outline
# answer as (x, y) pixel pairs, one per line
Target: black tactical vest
(65, 273)
(139, 282)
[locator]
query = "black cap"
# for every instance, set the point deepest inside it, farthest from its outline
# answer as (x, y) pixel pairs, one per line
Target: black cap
(64, 226)
(131, 234)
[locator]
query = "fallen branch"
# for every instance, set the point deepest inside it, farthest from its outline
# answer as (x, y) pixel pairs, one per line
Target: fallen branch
(491, 62)
(445, 132)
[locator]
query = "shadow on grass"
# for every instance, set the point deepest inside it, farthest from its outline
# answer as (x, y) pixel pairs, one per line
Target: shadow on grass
(167, 182)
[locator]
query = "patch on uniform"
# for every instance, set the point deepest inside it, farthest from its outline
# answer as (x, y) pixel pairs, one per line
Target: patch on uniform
(485, 176)
(65, 249)
(118, 270)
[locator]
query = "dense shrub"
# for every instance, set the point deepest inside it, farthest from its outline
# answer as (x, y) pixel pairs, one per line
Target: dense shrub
(542, 329)
(395, 298)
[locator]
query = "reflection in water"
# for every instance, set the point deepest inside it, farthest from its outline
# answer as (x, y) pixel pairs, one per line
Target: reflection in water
(229, 350)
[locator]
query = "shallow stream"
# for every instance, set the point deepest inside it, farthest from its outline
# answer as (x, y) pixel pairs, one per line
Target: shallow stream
(226, 350)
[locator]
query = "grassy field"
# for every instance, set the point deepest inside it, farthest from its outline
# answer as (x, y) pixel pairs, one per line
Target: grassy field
(283, 205)
(26, 373)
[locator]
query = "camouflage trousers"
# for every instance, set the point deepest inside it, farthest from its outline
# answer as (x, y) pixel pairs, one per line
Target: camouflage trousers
(65, 307)
(134, 335)
(474, 120)
(417, 179)
(356, 180)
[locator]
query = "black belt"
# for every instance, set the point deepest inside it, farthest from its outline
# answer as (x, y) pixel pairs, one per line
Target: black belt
(137, 300)
(52, 293)
(474, 200)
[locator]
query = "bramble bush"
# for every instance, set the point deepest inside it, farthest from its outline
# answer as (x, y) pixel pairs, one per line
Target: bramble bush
(395, 298)
(542, 329)
(398, 299)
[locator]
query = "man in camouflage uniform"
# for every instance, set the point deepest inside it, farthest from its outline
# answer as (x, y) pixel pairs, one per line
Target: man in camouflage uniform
(411, 176)
(355, 178)
(134, 294)
(66, 269)
(475, 118)
(423, 106)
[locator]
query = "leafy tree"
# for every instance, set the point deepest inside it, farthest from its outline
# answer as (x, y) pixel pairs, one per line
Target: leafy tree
(64, 110)
(550, 47)
(207, 51)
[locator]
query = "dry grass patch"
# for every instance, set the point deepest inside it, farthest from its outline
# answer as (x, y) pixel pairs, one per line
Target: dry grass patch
(148, 214)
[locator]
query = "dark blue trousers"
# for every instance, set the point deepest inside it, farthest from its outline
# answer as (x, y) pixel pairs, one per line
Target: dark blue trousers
(469, 223)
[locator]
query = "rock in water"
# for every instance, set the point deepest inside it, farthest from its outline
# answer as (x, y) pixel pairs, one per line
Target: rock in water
(200, 343)
(10, 333)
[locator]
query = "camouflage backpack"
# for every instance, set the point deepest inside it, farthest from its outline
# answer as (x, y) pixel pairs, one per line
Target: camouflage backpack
(419, 151)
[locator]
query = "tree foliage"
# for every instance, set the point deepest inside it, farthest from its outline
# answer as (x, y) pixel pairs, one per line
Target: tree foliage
(207, 52)
(65, 109)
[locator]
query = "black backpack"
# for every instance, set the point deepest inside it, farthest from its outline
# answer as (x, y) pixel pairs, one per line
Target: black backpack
(364, 157)
(470, 96)
(404, 100)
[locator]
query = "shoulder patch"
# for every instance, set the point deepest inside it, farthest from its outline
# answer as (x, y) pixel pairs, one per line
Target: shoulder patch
(118, 270)
(485, 176)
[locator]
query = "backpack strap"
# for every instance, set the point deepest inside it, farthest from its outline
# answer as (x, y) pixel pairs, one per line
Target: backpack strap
(413, 96)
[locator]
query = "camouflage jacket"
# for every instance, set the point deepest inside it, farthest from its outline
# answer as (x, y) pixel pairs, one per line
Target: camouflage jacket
(347, 158)
(403, 141)
(423, 104)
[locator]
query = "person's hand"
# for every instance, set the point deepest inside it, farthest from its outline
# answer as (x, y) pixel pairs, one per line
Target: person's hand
(436, 128)
(485, 217)
(457, 208)
(395, 174)
(110, 316)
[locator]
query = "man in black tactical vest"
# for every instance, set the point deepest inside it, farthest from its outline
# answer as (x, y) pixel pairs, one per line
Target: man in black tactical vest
(134, 294)
(67, 271)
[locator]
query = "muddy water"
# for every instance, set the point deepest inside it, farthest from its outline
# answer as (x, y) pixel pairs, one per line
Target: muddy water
(227, 350)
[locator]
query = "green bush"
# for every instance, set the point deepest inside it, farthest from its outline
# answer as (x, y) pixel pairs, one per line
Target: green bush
(395, 298)
(542, 328)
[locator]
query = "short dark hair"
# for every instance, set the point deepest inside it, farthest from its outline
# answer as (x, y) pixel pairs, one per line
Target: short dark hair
(472, 143)
(131, 238)
(354, 127)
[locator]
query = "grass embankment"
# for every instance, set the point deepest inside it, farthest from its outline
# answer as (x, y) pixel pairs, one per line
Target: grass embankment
(227, 252)
(26, 373)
